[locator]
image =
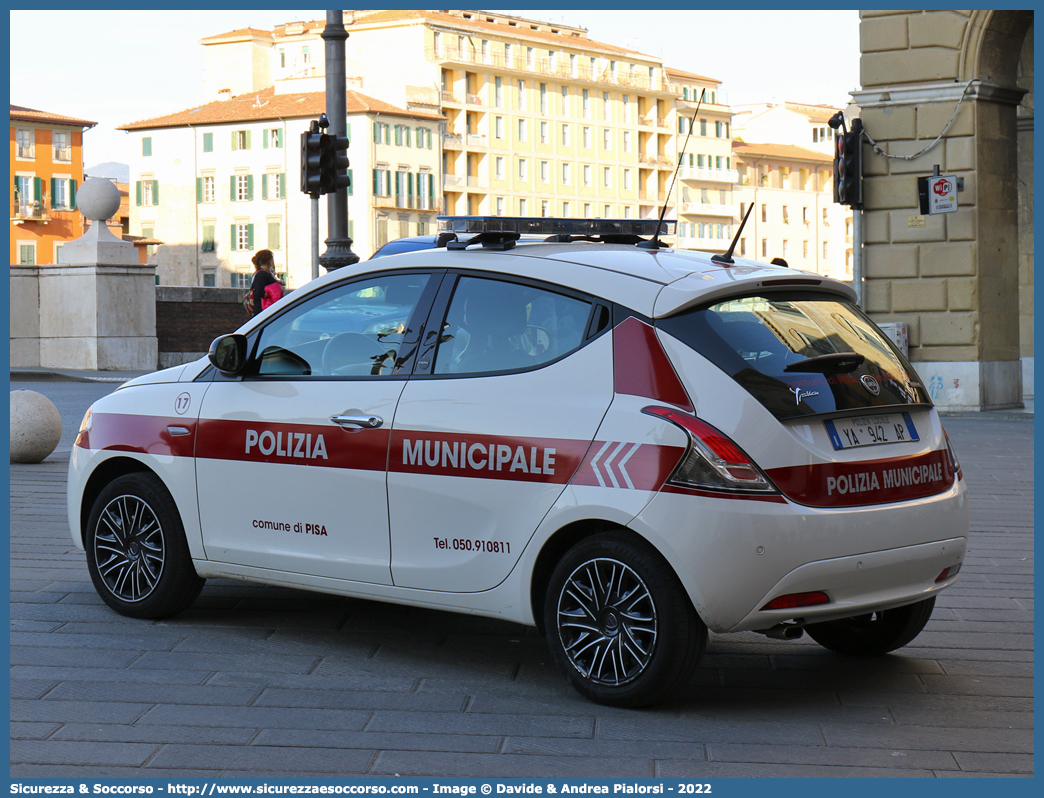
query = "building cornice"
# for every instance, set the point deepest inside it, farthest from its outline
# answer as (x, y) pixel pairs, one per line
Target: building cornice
(949, 92)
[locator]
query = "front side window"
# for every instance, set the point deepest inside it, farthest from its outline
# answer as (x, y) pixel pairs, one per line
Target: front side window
(787, 351)
(354, 330)
(492, 325)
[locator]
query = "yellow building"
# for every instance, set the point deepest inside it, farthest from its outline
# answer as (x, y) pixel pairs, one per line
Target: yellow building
(540, 119)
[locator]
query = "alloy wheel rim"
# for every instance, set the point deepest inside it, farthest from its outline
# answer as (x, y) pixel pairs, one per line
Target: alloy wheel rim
(607, 622)
(128, 548)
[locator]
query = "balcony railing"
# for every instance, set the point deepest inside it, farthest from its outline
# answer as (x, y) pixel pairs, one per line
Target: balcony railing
(26, 151)
(63, 154)
(702, 173)
(452, 97)
(35, 211)
(452, 181)
(707, 209)
(563, 68)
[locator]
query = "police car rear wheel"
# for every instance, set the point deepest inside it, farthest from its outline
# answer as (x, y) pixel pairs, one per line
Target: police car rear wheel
(873, 634)
(619, 623)
(136, 551)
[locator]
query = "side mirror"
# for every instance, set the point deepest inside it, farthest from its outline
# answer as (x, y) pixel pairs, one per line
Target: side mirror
(228, 354)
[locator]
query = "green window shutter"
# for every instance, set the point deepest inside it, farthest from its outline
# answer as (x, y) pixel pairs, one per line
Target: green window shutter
(208, 238)
(247, 147)
(431, 187)
(72, 194)
(264, 186)
(282, 185)
(388, 175)
(348, 130)
(54, 190)
(155, 192)
(38, 188)
(264, 139)
(376, 133)
(408, 137)
(279, 138)
(233, 238)
(409, 184)
(273, 235)
(199, 189)
(235, 143)
(351, 184)
(250, 236)
(146, 146)
(387, 134)
(137, 192)
(208, 142)
(376, 183)
(232, 193)
(250, 185)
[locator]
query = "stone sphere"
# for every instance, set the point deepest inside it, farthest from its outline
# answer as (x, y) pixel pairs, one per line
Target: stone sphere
(98, 198)
(36, 426)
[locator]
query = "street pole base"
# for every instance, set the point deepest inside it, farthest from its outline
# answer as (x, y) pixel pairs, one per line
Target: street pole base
(338, 253)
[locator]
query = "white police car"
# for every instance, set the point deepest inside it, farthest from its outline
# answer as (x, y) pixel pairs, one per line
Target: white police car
(622, 444)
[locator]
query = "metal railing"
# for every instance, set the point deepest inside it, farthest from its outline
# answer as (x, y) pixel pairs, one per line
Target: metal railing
(26, 151)
(62, 153)
(35, 210)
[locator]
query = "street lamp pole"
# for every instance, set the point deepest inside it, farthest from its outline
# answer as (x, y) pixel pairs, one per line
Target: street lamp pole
(338, 245)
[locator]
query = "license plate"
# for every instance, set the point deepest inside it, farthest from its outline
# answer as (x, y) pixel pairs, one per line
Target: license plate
(871, 430)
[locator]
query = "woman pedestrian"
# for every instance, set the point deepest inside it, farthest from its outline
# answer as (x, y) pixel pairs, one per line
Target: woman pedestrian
(264, 286)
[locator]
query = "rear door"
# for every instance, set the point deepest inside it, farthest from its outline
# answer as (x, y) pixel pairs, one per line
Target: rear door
(494, 423)
(292, 458)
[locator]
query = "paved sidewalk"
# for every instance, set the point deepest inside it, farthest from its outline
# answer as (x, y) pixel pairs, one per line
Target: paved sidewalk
(265, 682)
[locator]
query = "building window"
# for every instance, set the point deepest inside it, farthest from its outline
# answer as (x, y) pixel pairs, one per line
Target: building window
(25, 144)
(242, 236)
(62, 150)
(804, 249)
(498, 92)
(627, 141)
(240, 139)
(206, 189)
(498, 127)
(521, 129)
(545, 171)
(61, 198)
(529, 57)
(543, 133)
(764, 247)
(627, 211)
(785, 243)
(242, 188)
(826, 250)
(274, 237)
(522, 206)
(565, 135)
(500, 206)
(273, 137)
(565, 210)
(566, 174)
(626, 107)
(587, 175)
(605, 100)
(436, 41)
(27, 254)
(627, 179)
(764, 213)
(786, 215)
(306, 55)
(585, 103)
(804, 214)
(521, 95)
(607, 180)
(607, 139)
(543, 208)
(586, 136)
(743, 247)
(703, 127)
(565, 101)
(147, 192)
(273, 186)
(499, 167)
(587, 210)
(207, 245)
(521, 168)
(208, 142)
(209, 279)
(543, 94)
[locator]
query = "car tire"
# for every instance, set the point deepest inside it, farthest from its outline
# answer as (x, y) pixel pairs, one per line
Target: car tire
(619, 623)
(136, 550)
(876, 633)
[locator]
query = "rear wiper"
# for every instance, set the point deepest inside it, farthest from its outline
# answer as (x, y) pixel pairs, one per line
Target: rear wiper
(842, 362)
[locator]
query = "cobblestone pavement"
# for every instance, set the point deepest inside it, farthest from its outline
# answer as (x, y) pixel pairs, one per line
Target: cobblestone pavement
(264, 682)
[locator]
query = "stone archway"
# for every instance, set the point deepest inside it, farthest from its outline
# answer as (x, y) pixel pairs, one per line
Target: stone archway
(963, 282)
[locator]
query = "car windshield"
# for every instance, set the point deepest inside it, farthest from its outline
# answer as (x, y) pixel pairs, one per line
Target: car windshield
(801, 355)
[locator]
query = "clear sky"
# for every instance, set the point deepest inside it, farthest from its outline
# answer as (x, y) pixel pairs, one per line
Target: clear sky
(115, 67)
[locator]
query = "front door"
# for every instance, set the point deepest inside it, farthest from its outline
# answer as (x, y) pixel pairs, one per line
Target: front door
(291, 460)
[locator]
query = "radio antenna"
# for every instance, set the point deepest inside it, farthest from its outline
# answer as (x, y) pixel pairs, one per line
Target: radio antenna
(654, 243)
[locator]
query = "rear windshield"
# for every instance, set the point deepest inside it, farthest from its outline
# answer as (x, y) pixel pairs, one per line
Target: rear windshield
(838, 359)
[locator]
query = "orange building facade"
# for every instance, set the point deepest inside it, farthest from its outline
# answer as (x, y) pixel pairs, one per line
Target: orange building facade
(46, 169)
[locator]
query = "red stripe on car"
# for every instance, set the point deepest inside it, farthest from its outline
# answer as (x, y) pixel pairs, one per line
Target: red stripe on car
(642, 368)
(868, 482)
(120, 432)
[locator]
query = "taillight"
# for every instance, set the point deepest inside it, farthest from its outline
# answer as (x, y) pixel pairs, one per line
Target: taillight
(792, 600)
(713, 461)
(948, 572)
(953, 455)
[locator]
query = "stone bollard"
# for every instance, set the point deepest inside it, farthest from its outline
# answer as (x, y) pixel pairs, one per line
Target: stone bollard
(36, 426)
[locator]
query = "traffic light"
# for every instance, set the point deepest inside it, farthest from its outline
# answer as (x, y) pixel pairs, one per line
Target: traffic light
(333, 166)
(313, 146)
(848, 167)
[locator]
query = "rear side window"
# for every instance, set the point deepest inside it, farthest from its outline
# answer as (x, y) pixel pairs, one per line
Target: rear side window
(494, 325)
(800, 355)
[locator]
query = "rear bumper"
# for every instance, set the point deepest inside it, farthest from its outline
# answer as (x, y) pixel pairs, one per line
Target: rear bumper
(861, 583)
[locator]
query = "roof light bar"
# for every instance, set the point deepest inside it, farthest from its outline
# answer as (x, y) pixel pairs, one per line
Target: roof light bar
(547, 226)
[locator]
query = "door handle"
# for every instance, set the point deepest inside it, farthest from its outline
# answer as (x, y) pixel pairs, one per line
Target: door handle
(363, 422)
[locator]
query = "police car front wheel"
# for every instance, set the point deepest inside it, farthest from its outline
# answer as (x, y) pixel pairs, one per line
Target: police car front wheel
(136, 551)
(619, 623)
(876, 633)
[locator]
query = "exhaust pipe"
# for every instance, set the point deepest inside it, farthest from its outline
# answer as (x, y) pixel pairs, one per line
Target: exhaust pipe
(783, 631)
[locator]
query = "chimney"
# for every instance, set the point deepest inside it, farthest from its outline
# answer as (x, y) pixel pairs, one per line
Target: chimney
(224, 94)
